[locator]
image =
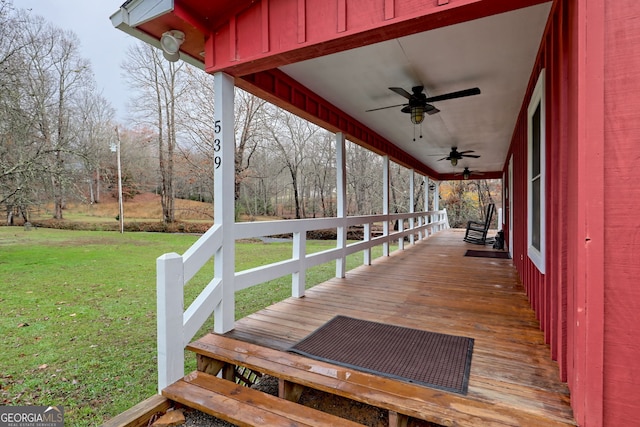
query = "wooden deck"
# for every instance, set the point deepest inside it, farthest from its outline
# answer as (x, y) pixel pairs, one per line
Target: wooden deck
(433, 286)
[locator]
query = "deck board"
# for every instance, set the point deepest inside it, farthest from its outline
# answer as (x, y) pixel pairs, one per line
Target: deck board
(433, 286)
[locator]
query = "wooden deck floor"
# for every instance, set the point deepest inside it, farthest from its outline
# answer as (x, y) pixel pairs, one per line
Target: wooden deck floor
(433, 286)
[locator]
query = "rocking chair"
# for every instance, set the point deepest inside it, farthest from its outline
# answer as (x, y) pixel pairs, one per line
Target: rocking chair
(477, 231)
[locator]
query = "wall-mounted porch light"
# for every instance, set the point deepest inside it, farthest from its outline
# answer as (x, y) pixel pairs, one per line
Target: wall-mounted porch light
(170, 43)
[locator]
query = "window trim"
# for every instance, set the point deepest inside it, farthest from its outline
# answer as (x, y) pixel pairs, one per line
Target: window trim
(537, 255)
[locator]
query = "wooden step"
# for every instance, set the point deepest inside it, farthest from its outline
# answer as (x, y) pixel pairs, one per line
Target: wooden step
(245, 406)
(400, 398)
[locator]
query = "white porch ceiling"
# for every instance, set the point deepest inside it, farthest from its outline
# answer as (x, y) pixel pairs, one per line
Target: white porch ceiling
(495, 54)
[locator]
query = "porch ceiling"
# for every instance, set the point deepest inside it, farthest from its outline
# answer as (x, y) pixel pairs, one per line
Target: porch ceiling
(494, 53)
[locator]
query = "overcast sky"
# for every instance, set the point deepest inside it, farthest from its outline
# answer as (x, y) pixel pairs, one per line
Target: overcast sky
(101, 43)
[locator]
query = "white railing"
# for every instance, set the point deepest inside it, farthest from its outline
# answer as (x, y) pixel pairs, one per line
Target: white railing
(176, 326)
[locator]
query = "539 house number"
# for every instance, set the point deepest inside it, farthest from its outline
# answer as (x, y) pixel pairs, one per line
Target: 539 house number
(217, 130)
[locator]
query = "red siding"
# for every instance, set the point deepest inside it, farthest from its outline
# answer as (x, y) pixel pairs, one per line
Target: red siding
(622, 201)
(588, 301)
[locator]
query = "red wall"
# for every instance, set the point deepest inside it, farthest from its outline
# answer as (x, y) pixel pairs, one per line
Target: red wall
(588, 302)
(622, 201)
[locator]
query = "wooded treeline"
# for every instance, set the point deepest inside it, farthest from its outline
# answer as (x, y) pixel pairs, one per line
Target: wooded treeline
(57, 132)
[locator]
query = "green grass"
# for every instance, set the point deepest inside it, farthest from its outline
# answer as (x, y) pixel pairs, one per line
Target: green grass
(78, 314)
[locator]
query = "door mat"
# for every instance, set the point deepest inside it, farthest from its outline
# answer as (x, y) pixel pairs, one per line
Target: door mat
(427, 358)
(488, 254)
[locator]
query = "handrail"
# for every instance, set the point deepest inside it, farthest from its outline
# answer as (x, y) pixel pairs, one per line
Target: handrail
(176, 326)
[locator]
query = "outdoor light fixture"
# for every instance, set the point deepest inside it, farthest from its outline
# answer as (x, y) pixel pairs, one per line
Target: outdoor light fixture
(170, 43)
(466, 173)
(417, 114)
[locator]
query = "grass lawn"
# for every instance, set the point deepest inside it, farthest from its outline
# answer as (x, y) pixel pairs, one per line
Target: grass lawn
(78, 314)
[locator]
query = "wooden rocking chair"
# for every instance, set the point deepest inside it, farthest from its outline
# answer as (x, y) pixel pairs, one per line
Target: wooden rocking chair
(477, 231)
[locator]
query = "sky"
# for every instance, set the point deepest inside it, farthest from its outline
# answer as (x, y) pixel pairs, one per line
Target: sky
(101, 43)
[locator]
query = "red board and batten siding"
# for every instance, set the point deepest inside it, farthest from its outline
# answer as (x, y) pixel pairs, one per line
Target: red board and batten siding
(622, 205)
(588, 302)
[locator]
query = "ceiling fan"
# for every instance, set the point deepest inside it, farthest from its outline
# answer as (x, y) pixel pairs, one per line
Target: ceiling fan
(466, 173)
(418, 103)
(456, 155)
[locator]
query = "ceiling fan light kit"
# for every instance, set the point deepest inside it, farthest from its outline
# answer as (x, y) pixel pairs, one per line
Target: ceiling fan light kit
(417, 114)
(466, 173)
(456, 155)
(418, 103)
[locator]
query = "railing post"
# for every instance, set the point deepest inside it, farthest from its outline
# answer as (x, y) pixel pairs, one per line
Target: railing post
(400, 230)
(170, 309)
(298, 279)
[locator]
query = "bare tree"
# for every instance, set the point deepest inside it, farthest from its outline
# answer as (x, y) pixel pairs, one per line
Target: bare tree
(320, 173)
(198, 119)
(289, 136)
(43, 76)
(364, 180)
(94, 126)
(158, 86)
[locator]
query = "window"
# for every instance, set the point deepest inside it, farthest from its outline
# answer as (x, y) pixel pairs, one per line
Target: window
(536, 175)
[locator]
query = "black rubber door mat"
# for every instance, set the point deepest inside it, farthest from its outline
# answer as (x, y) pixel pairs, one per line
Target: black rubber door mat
(432, 359)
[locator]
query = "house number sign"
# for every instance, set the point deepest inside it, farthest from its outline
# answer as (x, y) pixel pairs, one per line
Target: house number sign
(217, 130)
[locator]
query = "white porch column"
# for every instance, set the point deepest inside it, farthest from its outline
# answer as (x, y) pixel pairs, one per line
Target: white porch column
(224, 202)
(341, 188)
(426, 181)
(436, 202)
(425, 207)
(412, 204)
(385, 203)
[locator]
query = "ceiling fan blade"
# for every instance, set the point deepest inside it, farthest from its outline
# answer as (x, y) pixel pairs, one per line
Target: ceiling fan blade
(431, 111)
(445, 158)
(384, 108)
(401, 92)
(453, 95)
(466, 151)
(475, 156)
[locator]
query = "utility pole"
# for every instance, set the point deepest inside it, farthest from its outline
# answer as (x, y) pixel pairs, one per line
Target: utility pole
(116, 148)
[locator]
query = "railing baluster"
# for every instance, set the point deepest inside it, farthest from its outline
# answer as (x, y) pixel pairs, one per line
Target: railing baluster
(299, 278)
(366, 238)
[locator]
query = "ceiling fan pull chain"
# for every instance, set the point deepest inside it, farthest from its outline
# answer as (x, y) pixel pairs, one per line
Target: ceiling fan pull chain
(414, 132)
